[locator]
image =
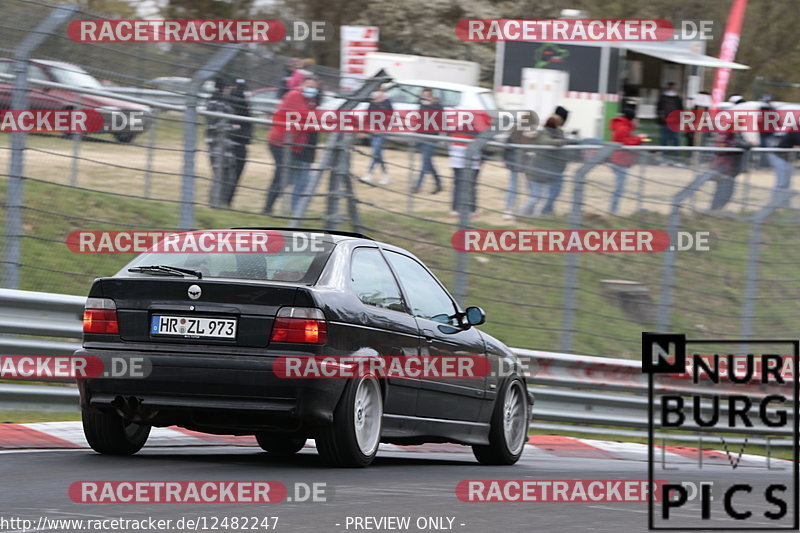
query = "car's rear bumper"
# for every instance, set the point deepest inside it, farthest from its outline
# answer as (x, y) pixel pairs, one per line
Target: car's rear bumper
(214, 393)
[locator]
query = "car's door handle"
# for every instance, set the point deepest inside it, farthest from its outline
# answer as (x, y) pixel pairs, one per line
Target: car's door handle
(428, 334)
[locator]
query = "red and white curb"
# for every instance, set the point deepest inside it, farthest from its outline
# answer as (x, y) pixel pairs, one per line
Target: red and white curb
(69, 435)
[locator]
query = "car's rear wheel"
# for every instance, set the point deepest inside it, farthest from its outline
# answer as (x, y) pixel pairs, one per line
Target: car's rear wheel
(108, 433)
(509, 427)
(280, 446)
(353, 438)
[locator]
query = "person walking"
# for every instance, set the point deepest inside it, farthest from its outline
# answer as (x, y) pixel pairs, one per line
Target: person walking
(240, 136)
(546, 177)
(622, 128)
(381, 104)
(428, 103)
(286, 146)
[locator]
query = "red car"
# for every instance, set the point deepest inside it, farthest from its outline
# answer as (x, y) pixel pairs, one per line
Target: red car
(40, 97)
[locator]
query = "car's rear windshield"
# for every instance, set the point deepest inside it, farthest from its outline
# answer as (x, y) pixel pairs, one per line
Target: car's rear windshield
(300, 259)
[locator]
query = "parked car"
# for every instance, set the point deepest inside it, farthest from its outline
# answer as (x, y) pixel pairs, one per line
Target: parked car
(40, 97)
(347, 295)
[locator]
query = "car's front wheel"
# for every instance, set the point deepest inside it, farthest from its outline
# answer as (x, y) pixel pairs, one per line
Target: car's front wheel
(509, 426)
(280, 446)
(353, 438)
(110, 434)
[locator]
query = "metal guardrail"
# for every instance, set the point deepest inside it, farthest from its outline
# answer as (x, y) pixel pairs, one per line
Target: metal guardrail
(574, 393)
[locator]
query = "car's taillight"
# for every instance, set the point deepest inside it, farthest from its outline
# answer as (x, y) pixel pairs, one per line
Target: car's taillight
(300, 324)
(100, 316)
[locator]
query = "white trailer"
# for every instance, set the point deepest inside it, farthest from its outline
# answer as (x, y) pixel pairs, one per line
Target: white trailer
(411, 67)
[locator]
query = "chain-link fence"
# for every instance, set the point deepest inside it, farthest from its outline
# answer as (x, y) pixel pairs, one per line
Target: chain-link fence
(174, 176)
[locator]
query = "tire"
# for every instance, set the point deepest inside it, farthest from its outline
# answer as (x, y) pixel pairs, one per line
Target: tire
(352, 440)
(280, 446)
(109, 434)
(509, 426)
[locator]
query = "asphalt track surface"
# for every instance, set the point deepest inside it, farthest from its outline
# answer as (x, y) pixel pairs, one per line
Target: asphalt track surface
(418, 483)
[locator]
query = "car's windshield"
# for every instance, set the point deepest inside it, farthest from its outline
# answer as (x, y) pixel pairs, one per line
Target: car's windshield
(297, 261)
(76, 77)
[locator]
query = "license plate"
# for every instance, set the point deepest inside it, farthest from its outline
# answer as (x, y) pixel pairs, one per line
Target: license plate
(193, 327)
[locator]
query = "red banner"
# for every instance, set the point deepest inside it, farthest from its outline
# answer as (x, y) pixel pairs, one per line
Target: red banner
(727, 52)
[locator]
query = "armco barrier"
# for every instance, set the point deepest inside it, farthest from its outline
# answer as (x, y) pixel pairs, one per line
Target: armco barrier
(574, 393)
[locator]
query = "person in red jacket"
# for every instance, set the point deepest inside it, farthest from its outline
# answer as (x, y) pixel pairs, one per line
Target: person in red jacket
(287, 146)
(622, 128)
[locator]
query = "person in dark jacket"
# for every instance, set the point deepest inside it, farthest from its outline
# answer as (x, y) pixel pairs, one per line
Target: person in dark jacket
(783, 162)
(546, 176)
(668, 102)
(428, 103)
(218, 139)
(240, 137)
(622, 128)
(380, 102)
(725, 167)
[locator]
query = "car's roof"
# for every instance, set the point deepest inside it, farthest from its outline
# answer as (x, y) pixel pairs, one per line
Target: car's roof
(336, 235)
(444, 85)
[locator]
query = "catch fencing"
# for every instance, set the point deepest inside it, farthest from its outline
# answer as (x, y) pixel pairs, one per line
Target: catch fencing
(745, 285)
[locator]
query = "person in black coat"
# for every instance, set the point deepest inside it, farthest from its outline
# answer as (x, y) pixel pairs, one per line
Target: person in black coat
(240, 137)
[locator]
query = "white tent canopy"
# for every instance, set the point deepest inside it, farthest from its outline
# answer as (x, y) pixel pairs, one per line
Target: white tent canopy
(680, 55)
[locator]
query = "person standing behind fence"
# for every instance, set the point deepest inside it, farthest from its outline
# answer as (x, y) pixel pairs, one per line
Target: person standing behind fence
(546, 177)
(241, 135)
(465, 175)
(427, 104)
(286, 146)
(621, 160)
(218, 130)
(517, 159)
(725, 167)
(783, 162)
(291, 67)
(668, 102)
(380, 103)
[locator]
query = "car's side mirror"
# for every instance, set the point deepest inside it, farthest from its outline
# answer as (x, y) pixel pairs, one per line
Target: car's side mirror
(475, 316)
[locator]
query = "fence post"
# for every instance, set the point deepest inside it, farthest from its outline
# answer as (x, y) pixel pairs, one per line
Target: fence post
(668, 273)
(779, 199)
(151, 145)
(217, 61)
(571, 269)
(19, 100)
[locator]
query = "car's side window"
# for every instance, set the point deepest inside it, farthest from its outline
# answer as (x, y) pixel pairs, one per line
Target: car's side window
(372, 280)
(426, 297)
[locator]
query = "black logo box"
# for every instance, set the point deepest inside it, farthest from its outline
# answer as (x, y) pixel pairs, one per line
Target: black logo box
(671, 343)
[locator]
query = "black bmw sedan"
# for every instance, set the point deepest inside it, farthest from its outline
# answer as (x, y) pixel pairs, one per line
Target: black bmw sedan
(220, 327)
